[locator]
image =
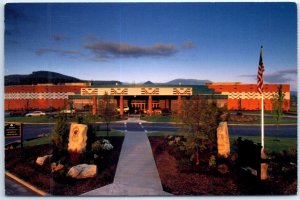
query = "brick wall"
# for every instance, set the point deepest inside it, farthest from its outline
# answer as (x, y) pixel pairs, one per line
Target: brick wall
(246, 97)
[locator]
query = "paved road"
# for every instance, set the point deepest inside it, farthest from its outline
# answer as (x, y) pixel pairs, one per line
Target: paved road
(33, 130)
(12, 188)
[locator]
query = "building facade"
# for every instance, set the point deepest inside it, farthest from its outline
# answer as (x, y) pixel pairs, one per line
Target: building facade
(144, 98)
(246, 97)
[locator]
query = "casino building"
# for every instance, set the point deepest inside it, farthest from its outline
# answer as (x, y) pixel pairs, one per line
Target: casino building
(145, 98)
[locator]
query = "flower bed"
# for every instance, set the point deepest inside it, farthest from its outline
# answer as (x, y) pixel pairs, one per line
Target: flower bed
(22, 164)
(179, 177)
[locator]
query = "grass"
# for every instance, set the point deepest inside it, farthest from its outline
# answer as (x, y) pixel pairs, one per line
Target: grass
(37, 119)
(38, 141)
(272, 144)
(270, 120)
(110, 133)
(158, 118)
(162, 133)
(47, 140)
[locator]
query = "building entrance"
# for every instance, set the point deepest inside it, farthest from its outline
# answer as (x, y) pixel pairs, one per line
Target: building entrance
(142, 105)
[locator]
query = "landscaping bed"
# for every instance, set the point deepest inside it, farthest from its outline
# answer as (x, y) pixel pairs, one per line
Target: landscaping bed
(22, 164)
(179, 177)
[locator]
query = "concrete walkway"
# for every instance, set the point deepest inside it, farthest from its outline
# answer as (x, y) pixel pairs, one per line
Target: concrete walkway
(136, 173)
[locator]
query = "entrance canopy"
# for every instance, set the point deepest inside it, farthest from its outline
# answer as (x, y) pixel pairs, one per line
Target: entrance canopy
(139, 91)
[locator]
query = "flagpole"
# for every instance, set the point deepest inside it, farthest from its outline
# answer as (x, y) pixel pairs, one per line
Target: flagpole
(260, 84)
(262, 121)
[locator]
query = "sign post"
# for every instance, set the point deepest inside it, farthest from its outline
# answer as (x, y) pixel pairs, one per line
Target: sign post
(13, 130)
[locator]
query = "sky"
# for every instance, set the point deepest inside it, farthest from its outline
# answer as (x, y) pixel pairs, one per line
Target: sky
(158, 42)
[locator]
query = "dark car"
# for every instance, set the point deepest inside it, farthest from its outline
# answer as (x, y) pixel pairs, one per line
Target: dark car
(17, 113)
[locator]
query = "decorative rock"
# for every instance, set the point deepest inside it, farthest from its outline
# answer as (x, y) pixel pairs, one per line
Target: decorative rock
(83, 171)
(263, 167)
(77, 137)
(107, 146)
(96, 156)
(264, 171)
(56, 167)
(223, 140)
(41, 160)
(177, 139)
(223, 169)
(170, 137)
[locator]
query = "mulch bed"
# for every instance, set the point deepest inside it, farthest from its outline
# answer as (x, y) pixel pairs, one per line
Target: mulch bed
(22, 164)
(203, 181)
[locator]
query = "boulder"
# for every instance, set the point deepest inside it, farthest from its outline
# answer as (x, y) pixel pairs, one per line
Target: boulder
(56, 167)
(77, 137)
(83, 171)
(223, 140)
(177, 139)
(41, 160)
(223, 169)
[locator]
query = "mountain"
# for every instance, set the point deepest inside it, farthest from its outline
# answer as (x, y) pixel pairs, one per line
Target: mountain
(39, 77)
(106, 82)
(43, 77)
(148, 83)
(187, 82)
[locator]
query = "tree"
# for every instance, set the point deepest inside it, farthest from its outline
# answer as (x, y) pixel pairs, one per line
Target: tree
(107, 110)
(60, 132)
(199, 120)
(278, 99)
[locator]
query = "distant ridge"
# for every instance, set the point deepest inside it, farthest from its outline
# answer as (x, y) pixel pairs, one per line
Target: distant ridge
(39, 77)
(182, 81)
(44, 77)
(47, 77)
(148, 83)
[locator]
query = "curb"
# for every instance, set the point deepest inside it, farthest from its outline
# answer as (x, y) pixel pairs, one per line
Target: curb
(260, 124)
(25, 184)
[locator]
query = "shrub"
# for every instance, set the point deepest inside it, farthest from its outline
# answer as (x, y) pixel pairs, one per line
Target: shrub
(199, 119)
(101, 145)
(60, 132)
(212, 161)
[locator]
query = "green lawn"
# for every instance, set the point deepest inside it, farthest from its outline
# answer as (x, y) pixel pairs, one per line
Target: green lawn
(269, 120)
(38, 141)
(37, 119)
(110, 133)
(47, 140)
(158, 118)
(272, 144)
(162, 133)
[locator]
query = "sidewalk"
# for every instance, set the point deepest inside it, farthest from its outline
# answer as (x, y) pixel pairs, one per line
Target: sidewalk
(136, 173)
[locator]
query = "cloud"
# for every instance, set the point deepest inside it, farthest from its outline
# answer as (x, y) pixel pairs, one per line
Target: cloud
(105, 49)
(188, 45)
(59, 37)
(62, 52)
(281, 76)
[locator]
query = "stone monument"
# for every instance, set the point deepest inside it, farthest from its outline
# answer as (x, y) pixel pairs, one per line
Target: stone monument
(77, 138)
(223, 139)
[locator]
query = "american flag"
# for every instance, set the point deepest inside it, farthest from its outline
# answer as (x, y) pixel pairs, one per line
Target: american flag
(261, 69)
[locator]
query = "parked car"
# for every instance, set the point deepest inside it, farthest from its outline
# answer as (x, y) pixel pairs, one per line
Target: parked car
(17, 113)
(35, 113)
(126, 109)
(157, 111)
(67, 111)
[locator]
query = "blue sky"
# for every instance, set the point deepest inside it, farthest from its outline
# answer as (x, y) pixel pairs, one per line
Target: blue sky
(137, 42)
